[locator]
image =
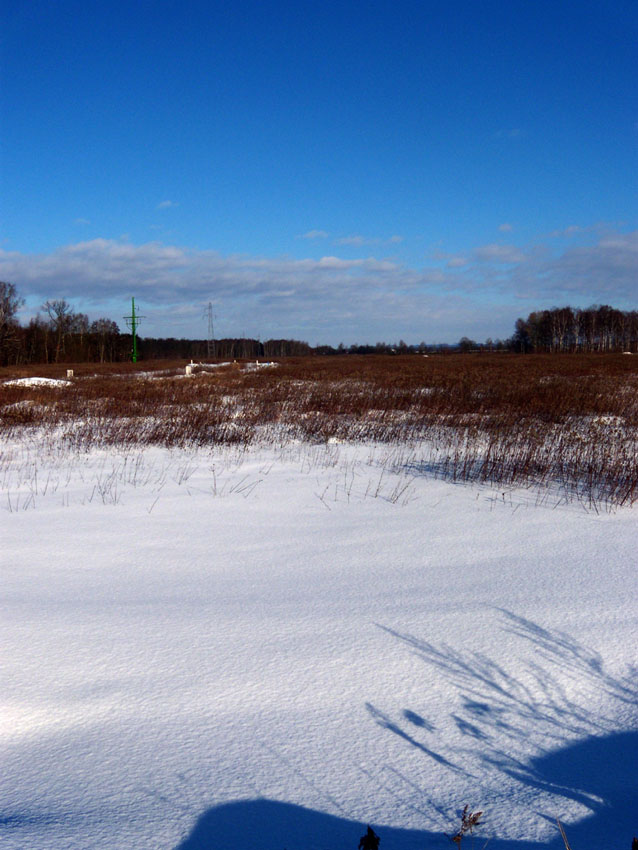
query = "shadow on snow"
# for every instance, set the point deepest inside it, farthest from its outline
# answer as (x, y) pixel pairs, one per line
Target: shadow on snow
(601, 768)
(581, 757)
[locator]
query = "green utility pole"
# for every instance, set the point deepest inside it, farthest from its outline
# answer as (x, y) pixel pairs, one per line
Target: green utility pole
(132, 322)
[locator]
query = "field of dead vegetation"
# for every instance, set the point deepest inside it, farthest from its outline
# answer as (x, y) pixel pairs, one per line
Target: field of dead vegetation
(566, 422)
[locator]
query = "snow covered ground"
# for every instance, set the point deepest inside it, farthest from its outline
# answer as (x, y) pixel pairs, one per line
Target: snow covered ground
(271, 648)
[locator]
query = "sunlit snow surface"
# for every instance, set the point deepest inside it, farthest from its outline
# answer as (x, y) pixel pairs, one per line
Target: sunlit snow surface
(273, 648)
(37, 382)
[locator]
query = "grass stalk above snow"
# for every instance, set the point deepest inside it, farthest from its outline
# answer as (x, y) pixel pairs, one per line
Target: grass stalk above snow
(543, 421)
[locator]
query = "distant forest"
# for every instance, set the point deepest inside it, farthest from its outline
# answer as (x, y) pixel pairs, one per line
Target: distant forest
(61, 335)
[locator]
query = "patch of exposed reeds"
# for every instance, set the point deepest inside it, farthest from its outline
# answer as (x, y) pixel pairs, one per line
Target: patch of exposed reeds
(567, 422)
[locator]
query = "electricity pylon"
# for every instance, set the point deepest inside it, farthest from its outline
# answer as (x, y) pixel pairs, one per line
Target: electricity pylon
(210, 342)
(132, 323)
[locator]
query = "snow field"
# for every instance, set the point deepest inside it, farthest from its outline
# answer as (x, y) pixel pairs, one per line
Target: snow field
(318, 626)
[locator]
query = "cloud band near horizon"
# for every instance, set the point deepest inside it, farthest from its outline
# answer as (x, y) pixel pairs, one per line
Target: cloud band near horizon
(330, 299)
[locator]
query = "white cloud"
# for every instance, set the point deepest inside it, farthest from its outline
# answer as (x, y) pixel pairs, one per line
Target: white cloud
(81, 221)
(165, 205)
(505, 227)
(314, 234)
(337, 263)
(572, 230)
(604, 271)
(332, 298)
(600, 229)
(327, 300)
(495, 253)
(357, 240)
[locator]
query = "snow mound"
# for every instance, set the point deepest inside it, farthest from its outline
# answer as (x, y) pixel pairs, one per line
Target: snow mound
(251, 367)
(37, 382)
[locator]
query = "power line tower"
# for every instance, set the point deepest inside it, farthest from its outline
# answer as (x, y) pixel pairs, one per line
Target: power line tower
(210, 341)
(132, 322)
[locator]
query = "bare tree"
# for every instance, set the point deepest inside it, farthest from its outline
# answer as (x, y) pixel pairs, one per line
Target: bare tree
(61, 318)
(106, 331)
(10, 303)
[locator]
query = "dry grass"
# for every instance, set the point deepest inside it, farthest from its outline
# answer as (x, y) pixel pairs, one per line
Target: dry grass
(562, 421)
(469, 822)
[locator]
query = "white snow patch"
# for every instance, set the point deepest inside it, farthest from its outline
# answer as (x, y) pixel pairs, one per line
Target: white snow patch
(251, 367)
(37, 382)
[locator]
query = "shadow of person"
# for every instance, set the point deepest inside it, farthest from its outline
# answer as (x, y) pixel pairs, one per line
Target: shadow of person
(272, 825)
(597, 772)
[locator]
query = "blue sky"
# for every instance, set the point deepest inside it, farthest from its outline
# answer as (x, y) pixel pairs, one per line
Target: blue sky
(331, 172)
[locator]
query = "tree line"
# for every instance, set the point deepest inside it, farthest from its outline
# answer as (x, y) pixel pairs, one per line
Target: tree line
(59, 334)
(599, 328)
